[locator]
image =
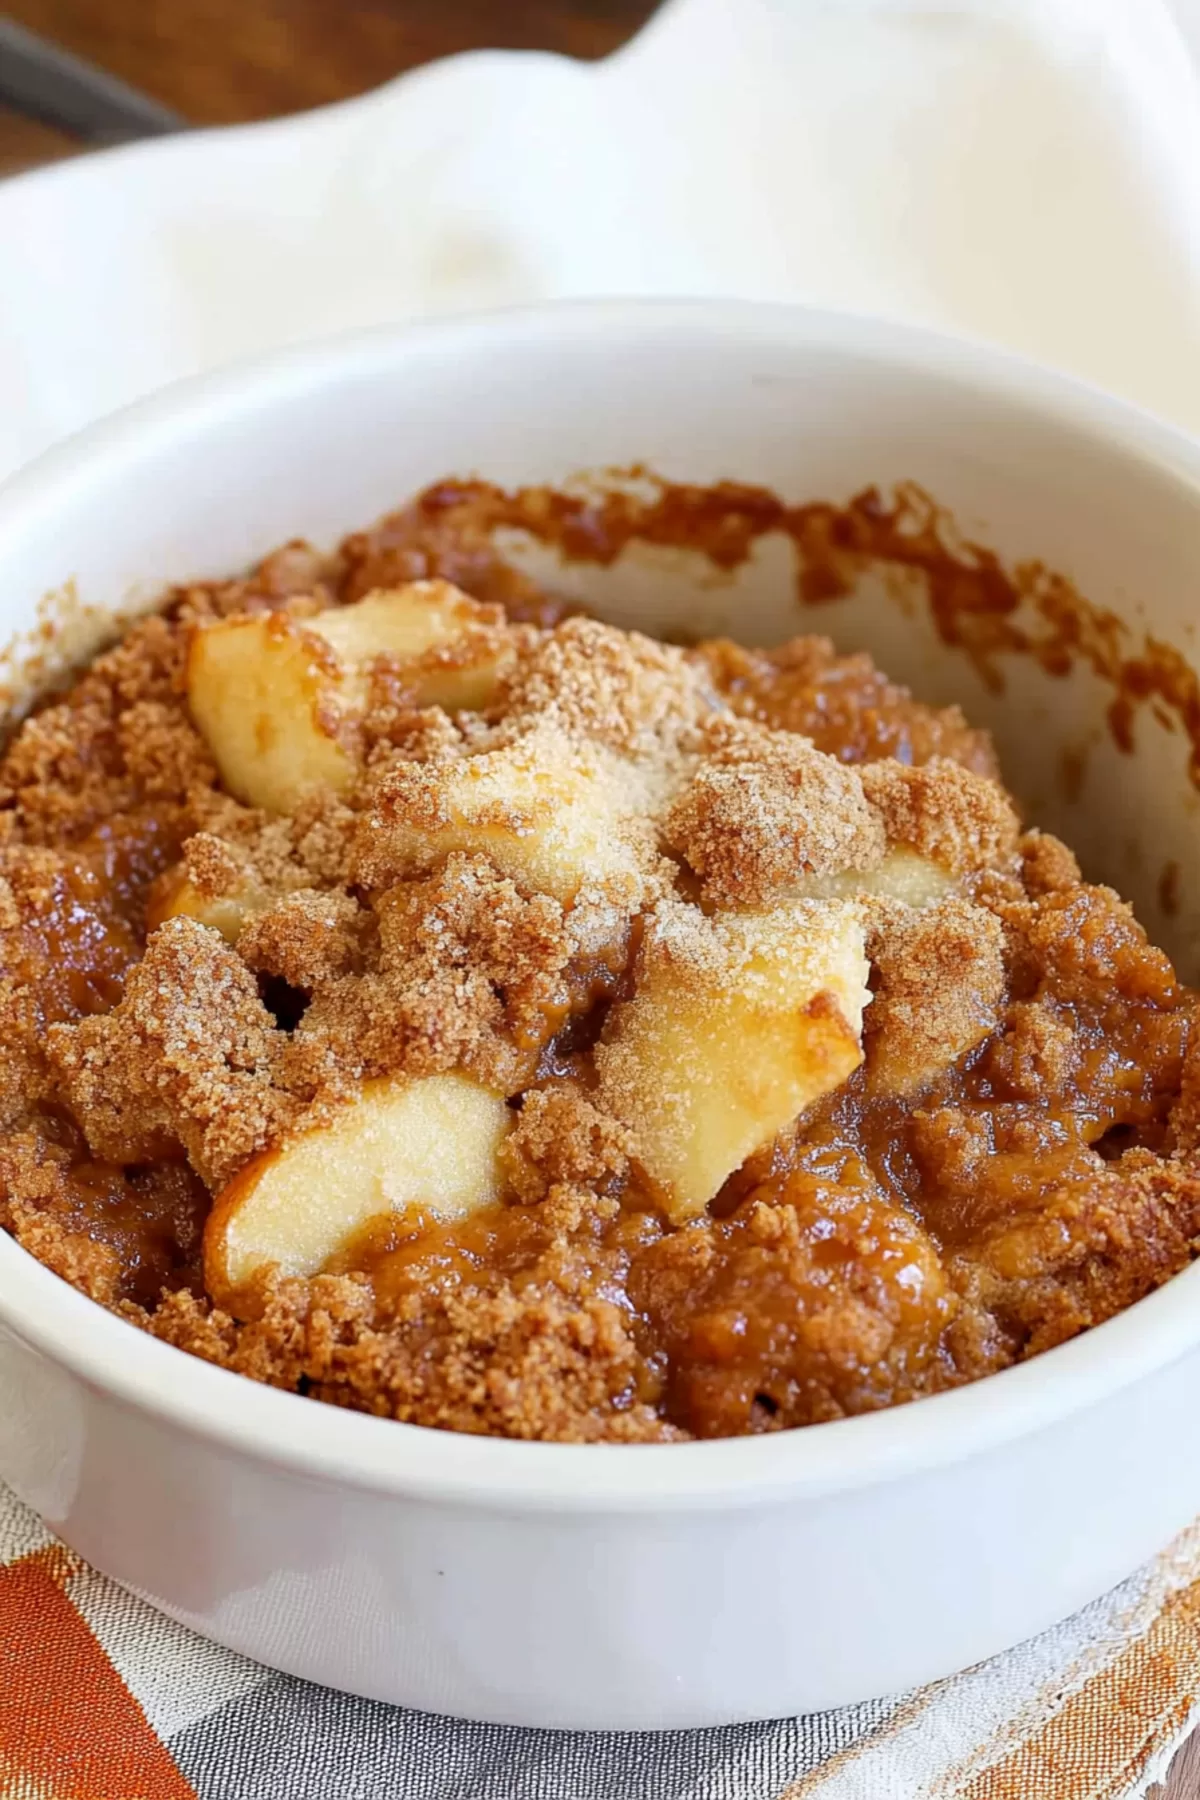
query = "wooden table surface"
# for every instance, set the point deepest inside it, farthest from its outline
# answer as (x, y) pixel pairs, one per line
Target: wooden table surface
(217, 61)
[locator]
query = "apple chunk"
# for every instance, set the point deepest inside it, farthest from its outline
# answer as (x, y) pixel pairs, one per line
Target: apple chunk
(452, 648)
(432, 1143)
(278, 701)
(176, 895)
(547, 811)
(903, 876)
(269, 700)
(737, 1023)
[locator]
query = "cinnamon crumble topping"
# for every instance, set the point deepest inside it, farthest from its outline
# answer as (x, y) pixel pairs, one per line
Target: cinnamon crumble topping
(707, 1048)
(763, 809)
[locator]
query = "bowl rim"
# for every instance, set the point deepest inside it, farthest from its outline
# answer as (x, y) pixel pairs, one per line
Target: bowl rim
(113, 1359)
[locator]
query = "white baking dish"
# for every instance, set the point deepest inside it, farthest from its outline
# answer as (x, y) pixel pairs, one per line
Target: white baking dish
(607, 1585)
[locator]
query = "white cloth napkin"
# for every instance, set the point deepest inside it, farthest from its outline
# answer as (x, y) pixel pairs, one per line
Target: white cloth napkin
(1026, 171)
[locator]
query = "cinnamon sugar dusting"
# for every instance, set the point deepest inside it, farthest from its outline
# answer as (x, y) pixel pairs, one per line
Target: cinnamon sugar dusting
(819, 1084)
(944, 812)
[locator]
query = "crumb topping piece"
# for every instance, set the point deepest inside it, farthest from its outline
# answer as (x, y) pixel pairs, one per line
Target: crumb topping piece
(945, 812)
(637, 697)
(465, 972)
(562, 1140)
(187, 1058)
(939, 978)
(764, 810)
(306, 938)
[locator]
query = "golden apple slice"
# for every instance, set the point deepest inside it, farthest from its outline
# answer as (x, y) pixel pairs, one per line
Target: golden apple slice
(278, 701)
(176, 895)
(737, 1023)
(453, 647)
(268, 698)
(902, 876)
(432, 1143)
(548, 812)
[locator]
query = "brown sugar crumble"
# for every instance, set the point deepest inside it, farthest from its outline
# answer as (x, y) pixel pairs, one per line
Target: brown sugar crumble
(463, 1011)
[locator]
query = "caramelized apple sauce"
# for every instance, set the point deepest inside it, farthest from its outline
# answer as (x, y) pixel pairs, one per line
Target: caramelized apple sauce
(522, 1027)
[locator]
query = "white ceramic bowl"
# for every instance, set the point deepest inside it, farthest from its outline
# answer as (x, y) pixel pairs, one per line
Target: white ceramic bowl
(635, 1586)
